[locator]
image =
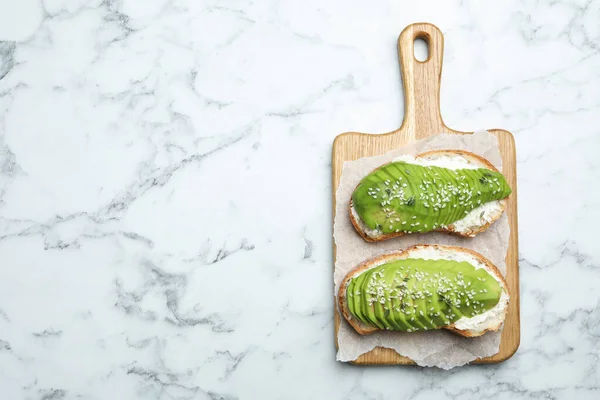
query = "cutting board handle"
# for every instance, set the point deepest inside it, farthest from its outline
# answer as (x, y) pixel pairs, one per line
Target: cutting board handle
(421, 80)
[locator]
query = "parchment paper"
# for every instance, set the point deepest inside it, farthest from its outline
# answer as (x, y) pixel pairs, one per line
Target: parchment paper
(434, 348)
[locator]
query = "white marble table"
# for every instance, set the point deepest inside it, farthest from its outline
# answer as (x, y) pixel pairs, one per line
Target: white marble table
(165, 195)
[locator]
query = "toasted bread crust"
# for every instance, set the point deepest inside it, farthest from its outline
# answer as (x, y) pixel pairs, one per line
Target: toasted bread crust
(364, 329)
(473, 159)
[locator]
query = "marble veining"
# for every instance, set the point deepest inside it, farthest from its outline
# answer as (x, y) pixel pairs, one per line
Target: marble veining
(165, 191)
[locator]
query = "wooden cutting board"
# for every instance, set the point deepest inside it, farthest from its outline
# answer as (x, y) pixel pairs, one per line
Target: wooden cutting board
(422, 117)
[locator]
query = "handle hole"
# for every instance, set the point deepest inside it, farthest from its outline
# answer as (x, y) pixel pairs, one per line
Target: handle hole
(421, 49)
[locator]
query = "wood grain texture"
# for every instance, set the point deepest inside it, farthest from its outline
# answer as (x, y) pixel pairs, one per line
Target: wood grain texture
(422, 117)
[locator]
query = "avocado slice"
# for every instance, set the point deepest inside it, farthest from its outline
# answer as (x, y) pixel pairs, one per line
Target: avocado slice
(399, 306)
(368, 307)
(350, 296)
(393, 301)
(416, 320)
(358, 294)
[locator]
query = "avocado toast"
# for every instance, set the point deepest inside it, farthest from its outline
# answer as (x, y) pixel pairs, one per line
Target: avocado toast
(425, 287)
(450, 191)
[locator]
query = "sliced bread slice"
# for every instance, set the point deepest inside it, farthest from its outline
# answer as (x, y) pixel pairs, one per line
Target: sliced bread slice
(476, 221)
(490, 320)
